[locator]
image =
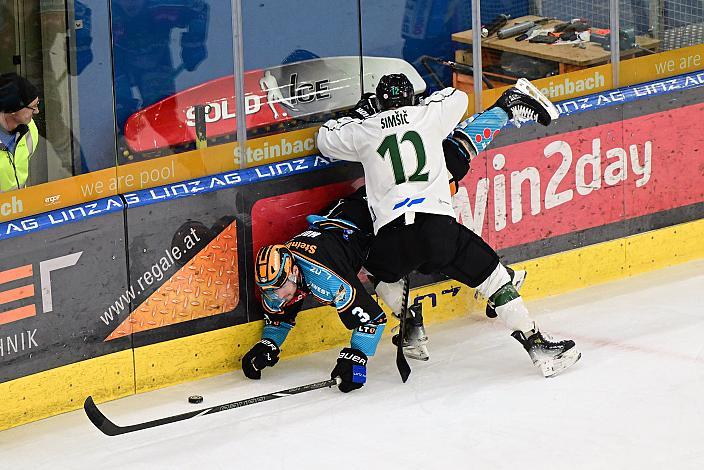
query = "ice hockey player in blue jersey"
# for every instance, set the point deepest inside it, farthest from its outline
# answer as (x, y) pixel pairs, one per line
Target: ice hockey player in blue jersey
(324, 262)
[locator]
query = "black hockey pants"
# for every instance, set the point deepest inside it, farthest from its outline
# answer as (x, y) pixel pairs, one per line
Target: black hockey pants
(432, 244)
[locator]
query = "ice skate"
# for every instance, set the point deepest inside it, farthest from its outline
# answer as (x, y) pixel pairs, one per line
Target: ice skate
(524, 103)
(517, 279)
(415, 344)
(551, 357)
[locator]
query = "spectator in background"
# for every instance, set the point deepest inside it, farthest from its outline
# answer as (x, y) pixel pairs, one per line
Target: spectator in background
(427, 30)
(144, 69)
(7, 39)
(19, 102)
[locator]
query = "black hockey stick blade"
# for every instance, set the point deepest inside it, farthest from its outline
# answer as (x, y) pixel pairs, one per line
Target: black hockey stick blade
(111, 429)
(401, 362)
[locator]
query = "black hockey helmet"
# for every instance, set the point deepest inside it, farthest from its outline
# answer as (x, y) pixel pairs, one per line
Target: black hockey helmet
(393, 91)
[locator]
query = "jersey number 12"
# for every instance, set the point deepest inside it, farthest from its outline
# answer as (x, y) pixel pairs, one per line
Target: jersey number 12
(390, 144)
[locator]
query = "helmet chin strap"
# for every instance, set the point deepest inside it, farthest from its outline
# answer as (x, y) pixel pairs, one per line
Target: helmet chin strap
(297, 279)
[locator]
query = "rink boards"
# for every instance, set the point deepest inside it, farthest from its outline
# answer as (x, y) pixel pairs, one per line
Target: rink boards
(127, 294)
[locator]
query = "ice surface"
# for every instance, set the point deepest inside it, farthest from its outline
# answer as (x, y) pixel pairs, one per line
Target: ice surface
(634, 401)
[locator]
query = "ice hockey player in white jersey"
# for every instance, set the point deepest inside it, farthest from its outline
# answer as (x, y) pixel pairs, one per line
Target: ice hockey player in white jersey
(401, 150)
(399, 146)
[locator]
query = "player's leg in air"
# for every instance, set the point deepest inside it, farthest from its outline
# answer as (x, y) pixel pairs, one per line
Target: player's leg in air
(519, 104)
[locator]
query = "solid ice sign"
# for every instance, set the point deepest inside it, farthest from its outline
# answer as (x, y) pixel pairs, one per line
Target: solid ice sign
(272, 96)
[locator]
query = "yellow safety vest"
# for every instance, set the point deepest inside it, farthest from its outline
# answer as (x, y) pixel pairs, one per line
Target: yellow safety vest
(14, 167)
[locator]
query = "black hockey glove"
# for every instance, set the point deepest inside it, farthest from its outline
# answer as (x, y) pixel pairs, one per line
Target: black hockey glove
(365, 107)
(263, 354)
(351, 368)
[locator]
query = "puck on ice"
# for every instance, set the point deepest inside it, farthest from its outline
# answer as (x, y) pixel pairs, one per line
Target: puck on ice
(195, 399)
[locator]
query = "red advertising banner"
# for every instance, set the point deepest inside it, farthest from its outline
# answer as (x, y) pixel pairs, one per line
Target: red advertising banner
(278, 218)
(587, 178)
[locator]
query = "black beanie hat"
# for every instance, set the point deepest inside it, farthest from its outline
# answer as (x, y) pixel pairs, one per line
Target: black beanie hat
(15, 93)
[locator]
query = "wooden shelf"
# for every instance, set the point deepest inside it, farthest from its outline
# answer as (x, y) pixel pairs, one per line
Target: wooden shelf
(568, 57)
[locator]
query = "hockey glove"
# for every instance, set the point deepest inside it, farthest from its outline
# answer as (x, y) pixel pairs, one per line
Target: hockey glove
(263, 354)
(365, 107)
(351, 368)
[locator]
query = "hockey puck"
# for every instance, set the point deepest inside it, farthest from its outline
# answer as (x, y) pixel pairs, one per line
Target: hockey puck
(195, 399)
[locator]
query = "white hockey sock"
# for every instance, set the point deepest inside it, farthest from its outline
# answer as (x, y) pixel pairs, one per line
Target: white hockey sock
(513, 313)
(515, 316)
(498, 278)
(392, 294)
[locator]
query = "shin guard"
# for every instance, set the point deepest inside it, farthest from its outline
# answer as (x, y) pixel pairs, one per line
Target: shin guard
(480, 129)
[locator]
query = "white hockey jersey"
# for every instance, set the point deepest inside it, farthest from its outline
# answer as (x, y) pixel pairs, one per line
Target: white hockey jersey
(401, 151)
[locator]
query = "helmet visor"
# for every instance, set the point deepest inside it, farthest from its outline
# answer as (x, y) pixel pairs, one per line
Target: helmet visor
(277, 298)
(272, 299)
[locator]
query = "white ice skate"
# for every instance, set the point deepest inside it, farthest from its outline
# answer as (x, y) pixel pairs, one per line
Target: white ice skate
(551, 357)
(524, 103)
(524, 86)
(415, 344)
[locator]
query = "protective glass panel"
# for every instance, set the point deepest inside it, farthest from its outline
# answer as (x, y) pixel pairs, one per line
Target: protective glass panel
(666, 37)
(174, 90)
(418, 32)
(551, 43)
(302, 66)
(59, 51)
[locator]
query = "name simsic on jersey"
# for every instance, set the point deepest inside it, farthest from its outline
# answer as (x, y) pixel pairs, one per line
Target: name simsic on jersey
(401, 151)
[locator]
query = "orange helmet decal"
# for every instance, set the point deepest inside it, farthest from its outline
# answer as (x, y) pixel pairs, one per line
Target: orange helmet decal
(272, 266)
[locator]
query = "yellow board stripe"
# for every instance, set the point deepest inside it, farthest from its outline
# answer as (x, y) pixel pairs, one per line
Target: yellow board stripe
(64, 389)
(159, 365)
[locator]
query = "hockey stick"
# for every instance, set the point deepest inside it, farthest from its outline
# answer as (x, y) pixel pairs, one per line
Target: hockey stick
(401, 362)
(111, 429)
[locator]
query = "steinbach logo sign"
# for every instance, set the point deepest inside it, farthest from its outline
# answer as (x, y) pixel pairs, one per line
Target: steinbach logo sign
(15, 302)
